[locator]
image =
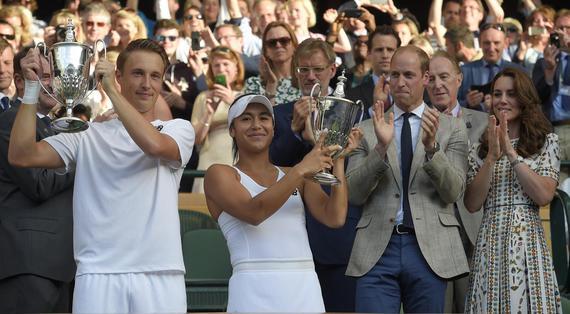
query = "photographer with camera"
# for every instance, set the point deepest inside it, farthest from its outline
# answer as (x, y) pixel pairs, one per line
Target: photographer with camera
(551, 76)
(540, 24)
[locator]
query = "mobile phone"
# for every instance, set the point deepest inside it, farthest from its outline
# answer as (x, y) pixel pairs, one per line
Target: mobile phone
(555, 40)
(220, 79)
(534, 30)
(355, 13)
(196, 40)
(485, 89)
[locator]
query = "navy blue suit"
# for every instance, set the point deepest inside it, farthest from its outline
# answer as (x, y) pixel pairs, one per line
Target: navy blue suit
(331, 247)
(472, 75)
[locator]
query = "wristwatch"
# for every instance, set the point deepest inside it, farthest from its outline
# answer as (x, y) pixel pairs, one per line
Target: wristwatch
(432, 151)
(516, 161)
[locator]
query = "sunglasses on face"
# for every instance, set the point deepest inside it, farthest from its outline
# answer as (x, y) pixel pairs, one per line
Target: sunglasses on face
(283, 41)
(161, 38)
(189, 17)
(91, 24)
(8, 36)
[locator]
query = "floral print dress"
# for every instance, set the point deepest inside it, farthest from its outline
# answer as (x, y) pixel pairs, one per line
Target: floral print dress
(512, 268)
(286, 92)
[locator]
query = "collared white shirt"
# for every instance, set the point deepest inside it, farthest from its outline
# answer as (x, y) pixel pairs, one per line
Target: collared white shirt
(415, 125)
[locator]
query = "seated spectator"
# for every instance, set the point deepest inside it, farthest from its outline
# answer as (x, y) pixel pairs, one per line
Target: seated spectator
(514, 34)
(473, 94)
(129, 26)
(55, 31)
(231, 35)
(406, 30)
(21, 20)
(264, 13)
(210, 112)
(274, 81)
(210, 11)
(96, 22)
(183, 80)
(460, 43)
(8, 32)
(302, 16)
(539, 26)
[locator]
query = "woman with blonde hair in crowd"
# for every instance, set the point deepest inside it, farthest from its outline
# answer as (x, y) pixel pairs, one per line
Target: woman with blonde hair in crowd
(513, 171)
(302, 16)
(55, 31)
(274, 80)
(129, 26)
(406, 30)
(21, 18)
(225, 79)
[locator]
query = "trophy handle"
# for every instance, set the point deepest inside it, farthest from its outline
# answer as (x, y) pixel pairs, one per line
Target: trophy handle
(46, 55)
(104, 56)
(311, 97)
(361, 104)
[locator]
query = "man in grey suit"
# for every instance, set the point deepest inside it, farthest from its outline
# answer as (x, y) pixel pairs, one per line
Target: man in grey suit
(407, 172)
(36, 251)
(444, 80)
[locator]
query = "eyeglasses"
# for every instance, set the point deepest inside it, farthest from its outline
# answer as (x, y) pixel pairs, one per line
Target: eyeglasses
(316, 70)
(161, 38)
(8, 36)
(283, 41)
(91, 24)
(189, 17)
(496, 26)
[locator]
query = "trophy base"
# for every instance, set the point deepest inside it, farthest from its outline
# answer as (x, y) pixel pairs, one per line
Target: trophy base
(325, 178)
(69, 125)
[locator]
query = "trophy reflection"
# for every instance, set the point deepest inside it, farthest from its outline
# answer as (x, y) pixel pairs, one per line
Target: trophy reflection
(69, 62)
(336, 116)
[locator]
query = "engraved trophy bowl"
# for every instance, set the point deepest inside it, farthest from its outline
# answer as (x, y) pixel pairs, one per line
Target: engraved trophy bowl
(336, 116)
(70, 62)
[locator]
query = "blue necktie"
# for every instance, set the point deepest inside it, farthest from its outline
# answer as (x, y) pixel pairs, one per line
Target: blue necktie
(5, 103)
(566, 75)
(406, 156)
(493, 70)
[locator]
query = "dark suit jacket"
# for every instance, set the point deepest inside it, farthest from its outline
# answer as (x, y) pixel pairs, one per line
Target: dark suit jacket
(546, 92)
(471, 76)
(36, 226)
(329, 246)
(363, 92)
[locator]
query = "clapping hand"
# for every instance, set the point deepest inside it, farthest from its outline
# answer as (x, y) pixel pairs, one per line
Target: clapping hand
(383, 129)
(430, 125)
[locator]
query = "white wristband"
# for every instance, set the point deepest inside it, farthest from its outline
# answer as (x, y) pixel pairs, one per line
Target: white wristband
(31, 92)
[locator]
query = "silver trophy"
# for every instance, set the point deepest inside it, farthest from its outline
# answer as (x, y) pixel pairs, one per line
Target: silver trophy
(69, 63)
(336, 115)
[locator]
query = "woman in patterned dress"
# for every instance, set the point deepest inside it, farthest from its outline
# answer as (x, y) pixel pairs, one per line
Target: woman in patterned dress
(274, 80)
(512, 172)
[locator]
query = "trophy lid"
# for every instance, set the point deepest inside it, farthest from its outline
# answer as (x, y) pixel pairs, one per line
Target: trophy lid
(69, 31)
(339, 90)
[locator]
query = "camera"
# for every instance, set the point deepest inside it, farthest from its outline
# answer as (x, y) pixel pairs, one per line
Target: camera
(555, 40)
(60, 33)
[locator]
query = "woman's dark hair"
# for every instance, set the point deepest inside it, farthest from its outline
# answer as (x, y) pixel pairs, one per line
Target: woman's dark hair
(533, 123)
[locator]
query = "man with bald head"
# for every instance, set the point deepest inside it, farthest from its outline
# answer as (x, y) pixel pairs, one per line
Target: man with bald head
(407, 172)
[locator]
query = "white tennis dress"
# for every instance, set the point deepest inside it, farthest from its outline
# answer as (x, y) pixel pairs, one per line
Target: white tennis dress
(273, 269)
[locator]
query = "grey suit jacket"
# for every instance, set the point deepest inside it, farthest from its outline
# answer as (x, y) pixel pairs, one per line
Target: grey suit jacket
(36, 225)
(434, 186)
(476, 123)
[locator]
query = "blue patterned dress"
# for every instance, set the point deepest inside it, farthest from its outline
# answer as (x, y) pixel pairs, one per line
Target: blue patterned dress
(512, 268)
